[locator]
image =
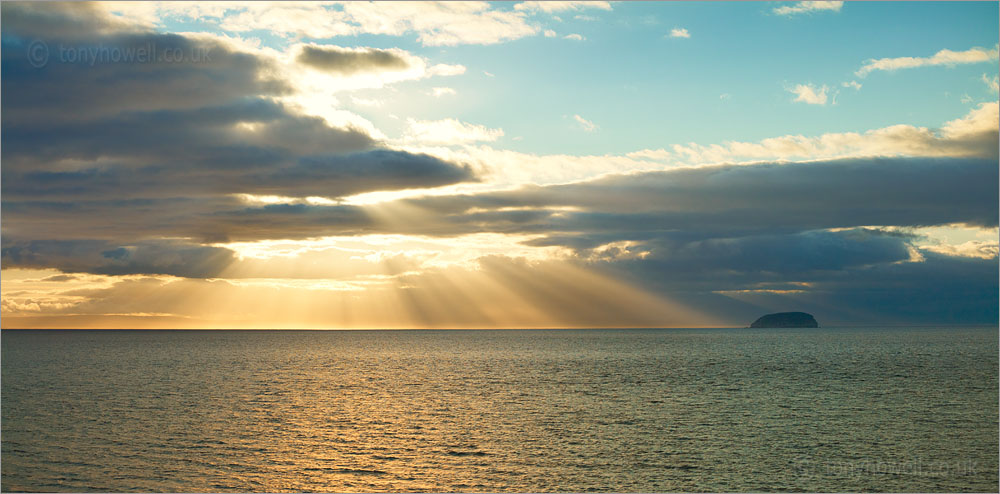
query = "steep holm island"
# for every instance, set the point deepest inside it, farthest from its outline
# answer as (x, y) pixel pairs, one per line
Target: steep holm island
(786, 320)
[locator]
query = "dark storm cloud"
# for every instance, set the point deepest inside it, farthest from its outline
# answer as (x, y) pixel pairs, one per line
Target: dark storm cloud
(208, 164)
(842, 277)
(209, 219)
(69, 20)
(167, 257)
(241, 135)
(773, 257)
(347, 61)
(124, 150)
(735, 198)
(716, 202)
(770, 262)
(671, 207)
(71, 62)
(337, 175)
(939, 290)
(696, 234)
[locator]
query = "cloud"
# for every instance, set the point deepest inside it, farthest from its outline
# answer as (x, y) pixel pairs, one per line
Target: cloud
(69, 20)
(168, 257)
(992, 84)
(438, 92)
(808, 7)
(549, 33)
(717, 229)
(742, 198)
(946, 57)
(808, 93)
(678, 32)
(512, 292)
(729, 199)
(211, 68)
(980, 124)
(981, 249)
(587, 125)
(726, 200)
(938, 290)
(723, 228)
(448, 131)
(446, 70)
(352, 60)
(852, 84)
(505, 168)
(253, 147)
(59, 278)
(96, 138)
(772, 257)
(574, 37)
(972, 135)
(367, 101)
(441, 24)
(316, 73)
(320, 175)
(556, 6)
(71, 88)
(189, 127)
(651, 154)
(433, 23)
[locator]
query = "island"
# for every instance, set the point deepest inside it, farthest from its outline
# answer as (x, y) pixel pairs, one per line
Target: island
(786, 320)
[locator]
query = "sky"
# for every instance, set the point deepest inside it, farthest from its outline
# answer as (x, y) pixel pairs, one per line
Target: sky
(497, 165)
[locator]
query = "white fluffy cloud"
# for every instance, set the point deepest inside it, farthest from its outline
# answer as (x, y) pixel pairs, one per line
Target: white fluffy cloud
(944, 57)
(972, 135)
(438, 92)
(979, 121)
(679, 32)
(651, 154)
(434, 23)
(575, 37)
(367, 101)
(808, 7)
(447, 132)
(808, 93)
(551, 7)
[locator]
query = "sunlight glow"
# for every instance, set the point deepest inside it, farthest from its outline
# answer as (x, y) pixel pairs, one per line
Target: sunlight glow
(436, 251)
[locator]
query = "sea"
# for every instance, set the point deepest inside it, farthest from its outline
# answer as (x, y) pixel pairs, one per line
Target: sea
(897, 409)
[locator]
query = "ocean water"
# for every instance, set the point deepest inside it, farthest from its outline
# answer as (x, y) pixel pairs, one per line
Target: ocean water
(831, 409)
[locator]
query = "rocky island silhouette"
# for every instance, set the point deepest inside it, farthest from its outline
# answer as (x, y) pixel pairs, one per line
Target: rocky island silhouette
(786, 320)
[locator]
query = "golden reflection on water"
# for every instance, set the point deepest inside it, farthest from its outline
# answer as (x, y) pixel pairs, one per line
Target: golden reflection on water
(561, 410)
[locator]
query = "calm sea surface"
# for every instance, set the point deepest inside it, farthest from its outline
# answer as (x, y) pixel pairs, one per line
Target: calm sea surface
(885, 409)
